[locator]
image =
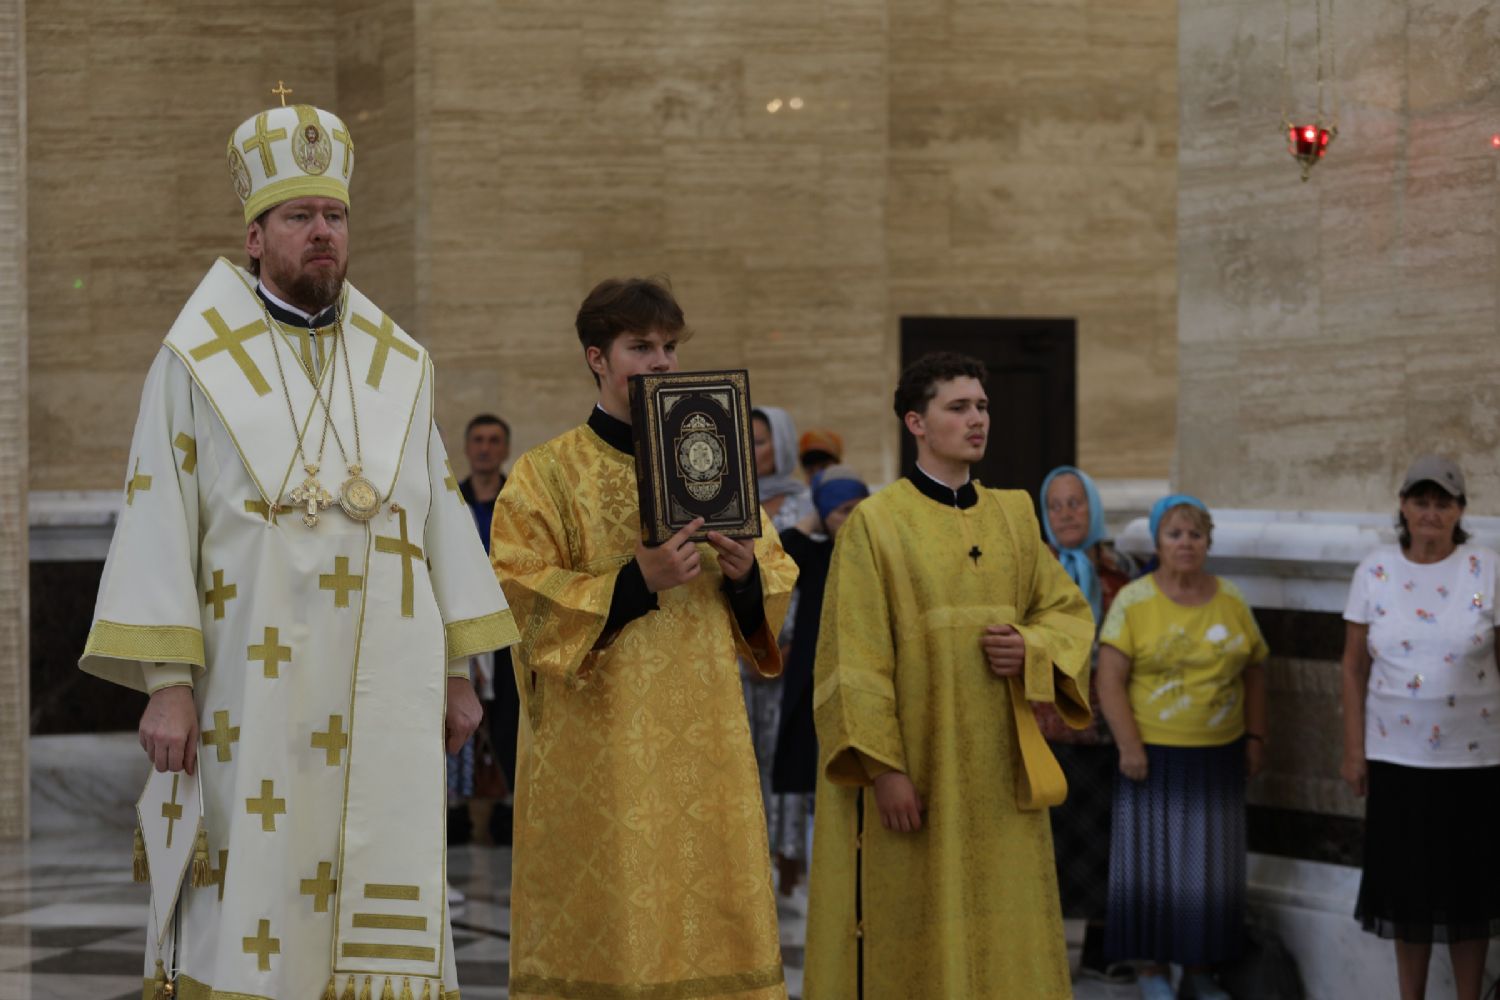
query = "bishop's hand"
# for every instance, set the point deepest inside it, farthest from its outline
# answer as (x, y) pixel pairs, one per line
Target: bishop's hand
(464, 713)
(672, 563)
(169, 729)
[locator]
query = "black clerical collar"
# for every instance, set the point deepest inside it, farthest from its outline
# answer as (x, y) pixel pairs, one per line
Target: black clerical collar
(616, 433)
(284, 314)
(963, 498)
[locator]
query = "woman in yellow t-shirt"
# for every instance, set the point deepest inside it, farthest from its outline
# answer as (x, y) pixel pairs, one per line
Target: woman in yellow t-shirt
(1182, 686)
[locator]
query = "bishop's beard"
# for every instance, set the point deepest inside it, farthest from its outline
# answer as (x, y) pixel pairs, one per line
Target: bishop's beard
(310, 289)
(319, 289)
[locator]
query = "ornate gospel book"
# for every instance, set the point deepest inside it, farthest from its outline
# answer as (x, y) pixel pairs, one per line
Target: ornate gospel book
(694, 454)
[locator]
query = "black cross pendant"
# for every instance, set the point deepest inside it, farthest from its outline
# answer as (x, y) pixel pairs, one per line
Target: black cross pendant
(974, 554)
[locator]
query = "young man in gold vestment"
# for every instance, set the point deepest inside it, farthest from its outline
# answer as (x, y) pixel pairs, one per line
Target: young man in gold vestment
(641, 868)
(943, 616)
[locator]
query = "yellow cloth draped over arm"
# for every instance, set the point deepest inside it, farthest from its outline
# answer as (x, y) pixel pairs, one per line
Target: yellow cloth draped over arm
(1057, 625)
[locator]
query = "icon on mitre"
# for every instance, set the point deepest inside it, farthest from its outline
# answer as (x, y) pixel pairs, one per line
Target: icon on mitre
(170, 838)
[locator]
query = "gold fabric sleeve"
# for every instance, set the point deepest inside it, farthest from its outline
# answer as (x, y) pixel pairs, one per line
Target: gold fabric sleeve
(564, 609)
(125, 654)
(479, 635)
(854, 697)
(778, 575)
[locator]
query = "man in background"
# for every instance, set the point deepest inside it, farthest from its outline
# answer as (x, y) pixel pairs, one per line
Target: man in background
(487, 449)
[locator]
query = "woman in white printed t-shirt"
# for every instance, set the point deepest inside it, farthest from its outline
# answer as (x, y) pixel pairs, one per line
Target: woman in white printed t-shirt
(1421, 697)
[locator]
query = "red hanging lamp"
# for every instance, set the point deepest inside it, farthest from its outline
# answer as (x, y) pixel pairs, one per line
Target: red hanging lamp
(1308, 140)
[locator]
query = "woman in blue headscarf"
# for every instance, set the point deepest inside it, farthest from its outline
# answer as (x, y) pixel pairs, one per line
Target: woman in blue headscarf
(1182, 683)
(1074, 526)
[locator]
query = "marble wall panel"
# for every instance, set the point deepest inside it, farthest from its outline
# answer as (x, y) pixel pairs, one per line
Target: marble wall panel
(1032, 151)
(1352, 310)
(949, 157)
(636, 139)
(376, 95)
(129, 107)
(14, 576)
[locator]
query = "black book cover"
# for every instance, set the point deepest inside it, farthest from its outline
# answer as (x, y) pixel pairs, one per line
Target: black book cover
(694, 454)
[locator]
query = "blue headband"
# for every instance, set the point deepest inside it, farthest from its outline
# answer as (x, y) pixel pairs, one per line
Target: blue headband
(830, 492)
(1166, 503)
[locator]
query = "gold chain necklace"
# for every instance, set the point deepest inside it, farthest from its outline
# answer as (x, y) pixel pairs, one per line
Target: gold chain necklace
(357, 496)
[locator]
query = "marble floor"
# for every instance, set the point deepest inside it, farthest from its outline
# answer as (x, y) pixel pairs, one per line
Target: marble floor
(72, 922)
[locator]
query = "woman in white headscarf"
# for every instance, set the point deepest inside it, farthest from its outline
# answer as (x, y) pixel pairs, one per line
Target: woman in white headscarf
(786, 500)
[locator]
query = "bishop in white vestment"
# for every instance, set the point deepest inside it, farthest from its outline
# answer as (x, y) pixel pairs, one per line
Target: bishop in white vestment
(316, 595)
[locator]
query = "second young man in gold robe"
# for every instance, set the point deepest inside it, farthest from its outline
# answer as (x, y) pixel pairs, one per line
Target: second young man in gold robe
(943, 617)
(641, 867)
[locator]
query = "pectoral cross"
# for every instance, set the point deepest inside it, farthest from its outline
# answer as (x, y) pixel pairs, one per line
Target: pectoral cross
(974, 554)
(311, 495)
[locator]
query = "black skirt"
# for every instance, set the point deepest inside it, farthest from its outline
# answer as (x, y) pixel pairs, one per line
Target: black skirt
(1431, 872)
(1080, 828)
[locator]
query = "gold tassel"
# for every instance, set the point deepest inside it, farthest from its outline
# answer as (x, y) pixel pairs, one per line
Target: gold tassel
(427, 989)
(406, 989)
(159, 990)
(201, 867)
(139, 867)
(331, 991)
(387, 993)
(364, 994)
(348, 989)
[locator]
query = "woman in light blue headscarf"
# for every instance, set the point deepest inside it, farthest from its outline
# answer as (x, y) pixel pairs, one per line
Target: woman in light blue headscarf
(786, 500)
(1074, 525)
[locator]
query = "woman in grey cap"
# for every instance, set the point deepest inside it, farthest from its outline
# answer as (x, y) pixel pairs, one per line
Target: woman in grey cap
(1421, 695)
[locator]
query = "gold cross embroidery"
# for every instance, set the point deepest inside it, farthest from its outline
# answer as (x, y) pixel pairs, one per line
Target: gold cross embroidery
(137, 483)
(262, 140)
(343, 137)
(452, 481)
(385, 339)
(321, 887)
(263, 946)
(281, 90)
(220, 595)
(333, 741)
(268, 806)
(216, 875)
(262, 508)
(171, 811)
(189, 448)
(221, 736)
(341, 582)
(408, 551)
(233, 341)
(269, 653)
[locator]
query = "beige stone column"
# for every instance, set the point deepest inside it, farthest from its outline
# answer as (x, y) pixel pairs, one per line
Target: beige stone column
(15, 656)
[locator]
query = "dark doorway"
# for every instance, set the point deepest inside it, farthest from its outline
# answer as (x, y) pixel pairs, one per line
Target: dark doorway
(1032, 390)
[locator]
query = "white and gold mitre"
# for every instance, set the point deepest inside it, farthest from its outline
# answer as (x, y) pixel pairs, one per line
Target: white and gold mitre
(290, 152)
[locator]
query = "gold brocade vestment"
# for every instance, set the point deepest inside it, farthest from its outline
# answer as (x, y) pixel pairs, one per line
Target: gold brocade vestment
(641, 868)
(967, 906)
